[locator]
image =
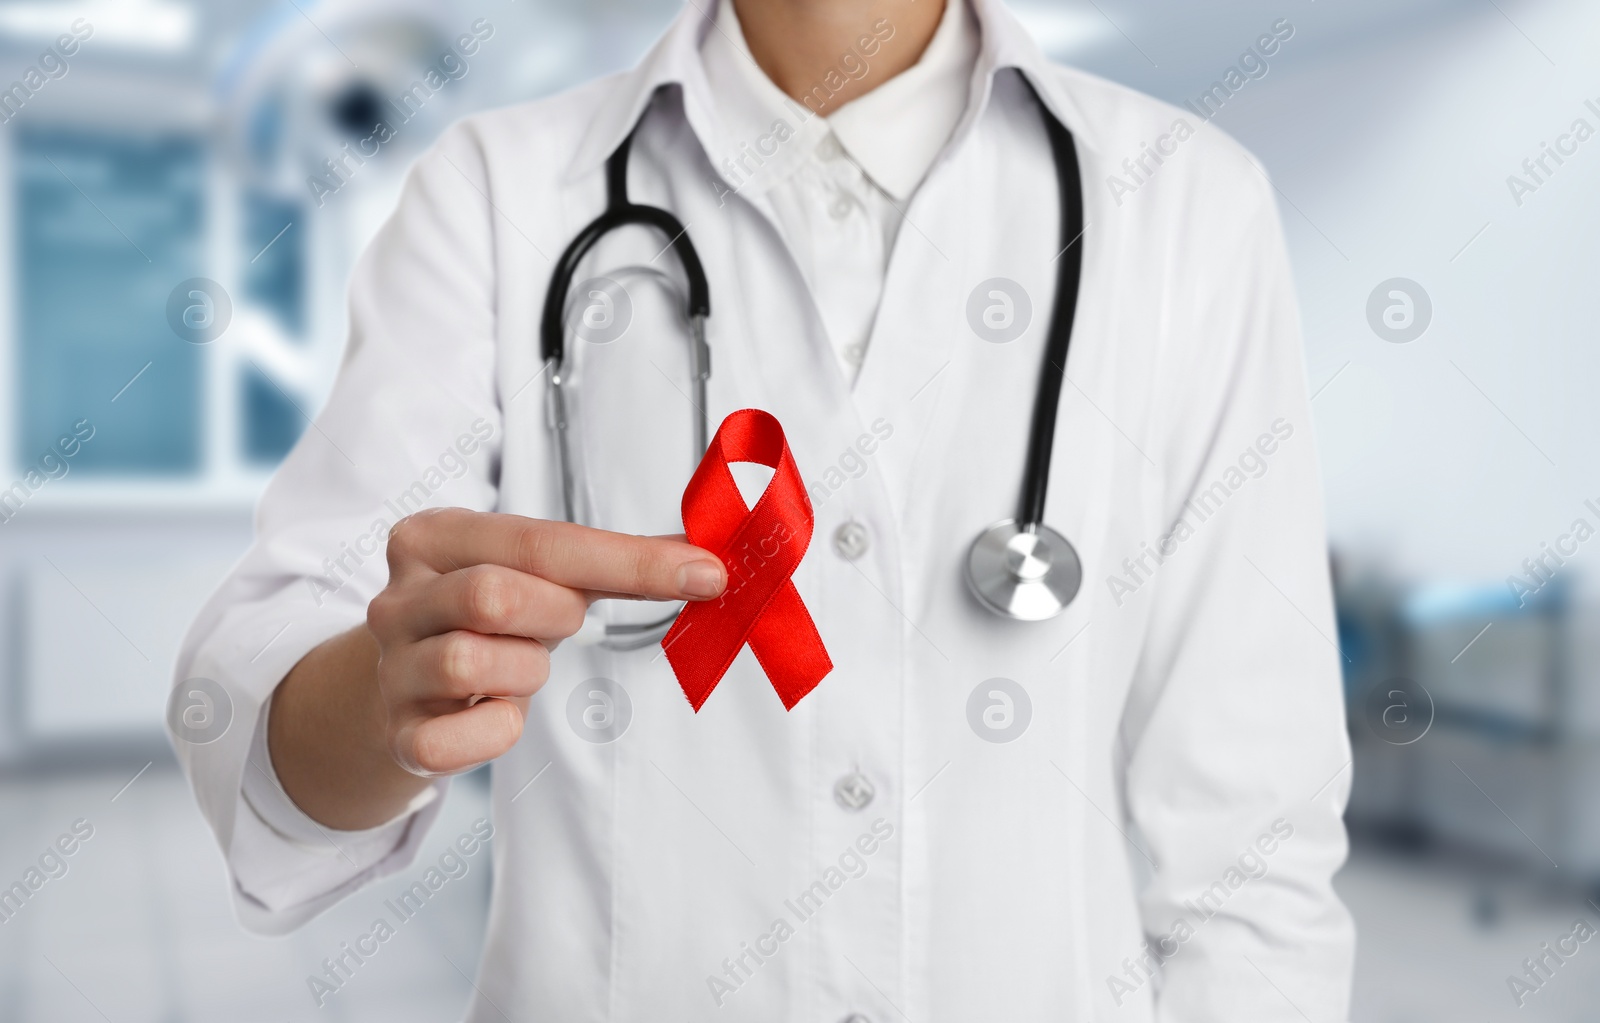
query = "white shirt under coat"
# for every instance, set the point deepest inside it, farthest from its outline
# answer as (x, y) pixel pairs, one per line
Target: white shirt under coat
(837, 177)
(1176, 794)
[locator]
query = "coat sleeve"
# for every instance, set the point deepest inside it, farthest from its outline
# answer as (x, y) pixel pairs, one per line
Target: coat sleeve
(1239, 762)
(412, 421)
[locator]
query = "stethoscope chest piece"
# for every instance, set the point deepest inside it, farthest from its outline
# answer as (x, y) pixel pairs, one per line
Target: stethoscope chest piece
(1026, 572)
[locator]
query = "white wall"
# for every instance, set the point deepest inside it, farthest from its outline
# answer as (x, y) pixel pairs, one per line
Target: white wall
(1393, 128)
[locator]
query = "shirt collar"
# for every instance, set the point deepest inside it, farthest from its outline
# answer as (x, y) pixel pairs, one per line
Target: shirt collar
(893, 133)
(675, 60)
(897, 130)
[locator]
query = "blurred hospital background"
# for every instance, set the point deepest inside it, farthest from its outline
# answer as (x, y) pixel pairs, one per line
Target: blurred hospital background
(171, 303)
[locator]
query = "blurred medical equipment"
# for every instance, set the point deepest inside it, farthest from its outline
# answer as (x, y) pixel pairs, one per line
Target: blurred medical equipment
(294, 92)
(1507, 729)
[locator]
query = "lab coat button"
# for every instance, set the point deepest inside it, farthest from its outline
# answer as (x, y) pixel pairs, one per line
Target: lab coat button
(850, 540)
(840, 208)
(853, 792)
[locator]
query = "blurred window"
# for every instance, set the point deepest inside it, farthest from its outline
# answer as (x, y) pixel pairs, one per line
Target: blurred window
(274, 244)
(106, 225)
(274, 279)
(271, 423)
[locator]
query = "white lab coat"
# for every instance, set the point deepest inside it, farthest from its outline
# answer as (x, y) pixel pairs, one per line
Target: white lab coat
(1184, 766)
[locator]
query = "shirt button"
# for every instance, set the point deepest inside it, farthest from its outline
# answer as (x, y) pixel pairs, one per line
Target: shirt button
(850, 540)
(840, 208)
(829, 148)
(853, 354)
(853, 791)
(855, 1017)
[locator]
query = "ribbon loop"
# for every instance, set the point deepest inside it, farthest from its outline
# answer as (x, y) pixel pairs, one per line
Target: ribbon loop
(761, 547)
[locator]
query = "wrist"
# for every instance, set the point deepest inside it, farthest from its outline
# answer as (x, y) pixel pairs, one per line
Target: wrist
(327, 738)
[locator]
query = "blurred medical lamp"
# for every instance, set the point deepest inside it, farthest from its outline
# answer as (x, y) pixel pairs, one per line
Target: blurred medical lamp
(314, 94)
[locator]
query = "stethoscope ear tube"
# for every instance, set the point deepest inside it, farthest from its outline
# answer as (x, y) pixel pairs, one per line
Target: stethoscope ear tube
(620, 212)
(1069, 271)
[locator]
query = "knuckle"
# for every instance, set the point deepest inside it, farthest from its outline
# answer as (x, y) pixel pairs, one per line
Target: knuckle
(388, 615)
(381, 613)
(491, 598)
(406, 540)
(447, 521)
(460, 655)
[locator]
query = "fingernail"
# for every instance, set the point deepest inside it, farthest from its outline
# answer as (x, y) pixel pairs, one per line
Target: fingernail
(700, 579)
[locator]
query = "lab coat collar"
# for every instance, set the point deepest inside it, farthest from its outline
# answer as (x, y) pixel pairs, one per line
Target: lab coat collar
(1006, 44)
(750, 109)
(675, 61)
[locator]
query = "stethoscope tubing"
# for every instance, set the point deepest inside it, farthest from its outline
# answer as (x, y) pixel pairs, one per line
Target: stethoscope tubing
(619, 212)
(1053, 373)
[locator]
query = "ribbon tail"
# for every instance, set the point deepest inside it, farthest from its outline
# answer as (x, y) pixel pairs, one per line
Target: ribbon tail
(791, 652)
(699, 662)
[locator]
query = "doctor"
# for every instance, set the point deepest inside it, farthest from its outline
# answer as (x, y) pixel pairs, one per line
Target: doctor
(1127, 811)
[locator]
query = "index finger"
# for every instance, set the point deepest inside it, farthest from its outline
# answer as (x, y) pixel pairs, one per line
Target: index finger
(598, 561)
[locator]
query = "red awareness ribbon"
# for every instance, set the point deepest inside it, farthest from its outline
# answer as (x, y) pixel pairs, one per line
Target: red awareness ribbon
(760, 547)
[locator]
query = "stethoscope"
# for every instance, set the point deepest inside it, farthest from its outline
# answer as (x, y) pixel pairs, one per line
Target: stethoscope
(1019, 567)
